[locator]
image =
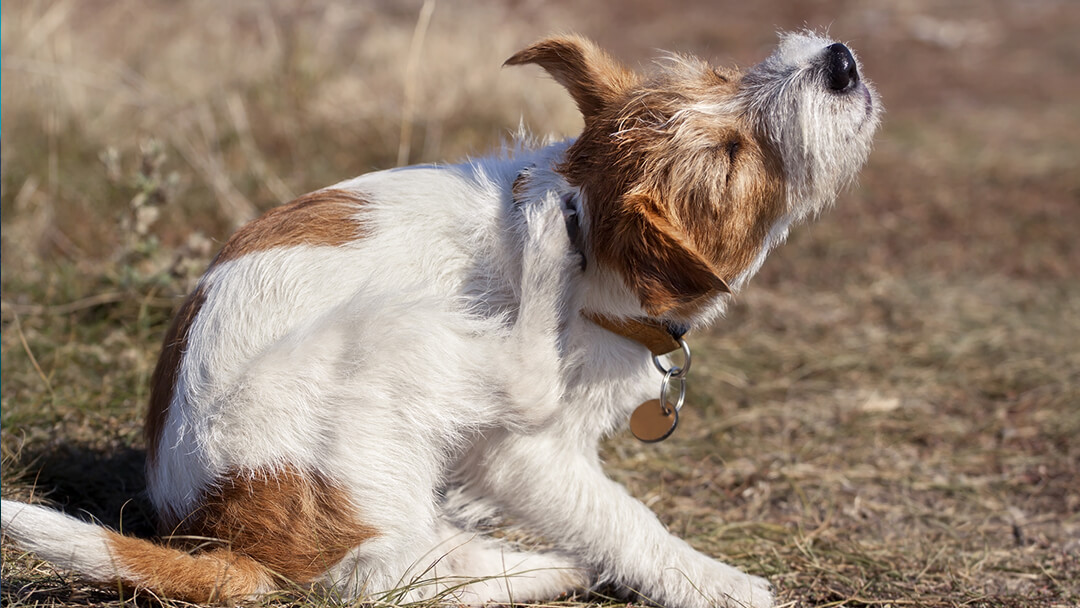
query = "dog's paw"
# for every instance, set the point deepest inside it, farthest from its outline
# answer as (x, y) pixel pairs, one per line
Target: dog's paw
(713, 584)
(534, 577)
(761, 592)
(746, 591)
(549, 244)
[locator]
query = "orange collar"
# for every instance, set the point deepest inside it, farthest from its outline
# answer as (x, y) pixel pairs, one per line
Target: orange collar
(657, 336)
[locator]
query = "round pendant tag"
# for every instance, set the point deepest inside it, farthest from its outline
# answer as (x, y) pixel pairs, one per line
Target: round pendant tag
(650, 424)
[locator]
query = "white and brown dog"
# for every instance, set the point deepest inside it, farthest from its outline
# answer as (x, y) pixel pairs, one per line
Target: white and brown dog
(365, 375)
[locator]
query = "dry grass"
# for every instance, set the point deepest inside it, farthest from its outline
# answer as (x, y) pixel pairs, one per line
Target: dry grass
(889, 415)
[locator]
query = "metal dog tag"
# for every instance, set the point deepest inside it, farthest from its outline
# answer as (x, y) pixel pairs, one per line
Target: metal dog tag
(650, 424)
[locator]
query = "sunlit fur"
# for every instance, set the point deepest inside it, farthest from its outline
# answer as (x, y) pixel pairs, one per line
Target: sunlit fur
(823, 138)
(365, 378)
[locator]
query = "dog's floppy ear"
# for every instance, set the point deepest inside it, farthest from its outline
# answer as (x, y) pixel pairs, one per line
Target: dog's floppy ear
(591, 76)
(655, 261)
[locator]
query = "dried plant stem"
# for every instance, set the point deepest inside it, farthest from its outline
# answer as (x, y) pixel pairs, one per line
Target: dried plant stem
(33, 359)
(412, 81)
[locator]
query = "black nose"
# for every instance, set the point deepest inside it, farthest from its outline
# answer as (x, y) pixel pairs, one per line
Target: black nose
(841, 70)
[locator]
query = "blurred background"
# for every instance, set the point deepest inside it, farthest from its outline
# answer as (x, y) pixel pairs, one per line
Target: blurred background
(888, 414)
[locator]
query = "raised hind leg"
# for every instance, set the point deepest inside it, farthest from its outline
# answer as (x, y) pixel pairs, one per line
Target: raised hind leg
(551, 271)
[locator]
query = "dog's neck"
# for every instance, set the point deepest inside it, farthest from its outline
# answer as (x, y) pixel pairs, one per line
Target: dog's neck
(658, 336)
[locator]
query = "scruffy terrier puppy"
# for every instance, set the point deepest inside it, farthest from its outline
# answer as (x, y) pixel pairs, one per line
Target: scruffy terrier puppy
(365, 375)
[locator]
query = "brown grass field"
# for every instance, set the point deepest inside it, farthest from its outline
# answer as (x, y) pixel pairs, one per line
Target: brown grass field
(890, 414)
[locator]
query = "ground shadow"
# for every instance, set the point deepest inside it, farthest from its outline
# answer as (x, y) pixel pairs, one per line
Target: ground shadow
(106, 485)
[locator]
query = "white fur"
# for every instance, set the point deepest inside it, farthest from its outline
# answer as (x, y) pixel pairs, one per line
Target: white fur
(59, 538)
(440, 371)
(822, 136)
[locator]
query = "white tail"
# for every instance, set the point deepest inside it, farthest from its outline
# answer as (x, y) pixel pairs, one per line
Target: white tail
(61, 539)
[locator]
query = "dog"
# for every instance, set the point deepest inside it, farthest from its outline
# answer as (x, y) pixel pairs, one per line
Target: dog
(368, 376)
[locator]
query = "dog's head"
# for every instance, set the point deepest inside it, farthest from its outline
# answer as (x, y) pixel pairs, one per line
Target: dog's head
(691, 173)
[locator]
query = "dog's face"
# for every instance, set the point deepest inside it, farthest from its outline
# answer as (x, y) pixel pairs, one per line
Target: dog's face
(692, 173)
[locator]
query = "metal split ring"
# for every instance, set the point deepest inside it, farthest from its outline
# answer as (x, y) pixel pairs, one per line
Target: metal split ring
(675, 370)
(672, 374)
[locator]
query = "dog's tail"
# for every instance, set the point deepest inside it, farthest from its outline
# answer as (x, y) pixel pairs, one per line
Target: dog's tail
(103, 556)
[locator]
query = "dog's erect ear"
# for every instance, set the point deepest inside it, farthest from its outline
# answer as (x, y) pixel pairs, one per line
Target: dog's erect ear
(591, 76)
(655, 261)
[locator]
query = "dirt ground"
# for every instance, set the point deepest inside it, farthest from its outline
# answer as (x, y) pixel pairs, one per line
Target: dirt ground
(887, 417)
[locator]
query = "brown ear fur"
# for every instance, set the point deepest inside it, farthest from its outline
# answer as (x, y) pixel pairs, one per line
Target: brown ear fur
(659, 266)
(591, 76)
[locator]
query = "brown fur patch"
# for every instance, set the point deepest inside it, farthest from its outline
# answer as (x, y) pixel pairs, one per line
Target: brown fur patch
(325, 217)
(680, 194)
(163, 380)
(676, 195)
(168, 572)
(295, 524)
(656, 262)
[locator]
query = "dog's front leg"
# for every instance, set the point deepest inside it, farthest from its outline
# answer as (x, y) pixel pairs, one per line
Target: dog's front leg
(558, 488)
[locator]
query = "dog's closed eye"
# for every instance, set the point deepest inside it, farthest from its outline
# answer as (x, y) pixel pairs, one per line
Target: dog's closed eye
(733, 151)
